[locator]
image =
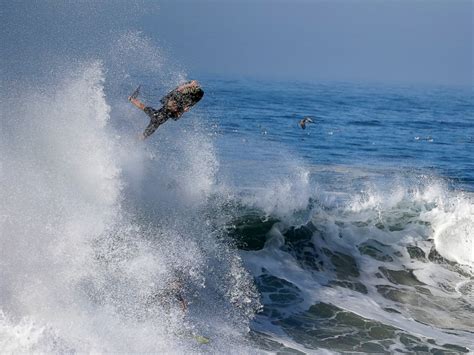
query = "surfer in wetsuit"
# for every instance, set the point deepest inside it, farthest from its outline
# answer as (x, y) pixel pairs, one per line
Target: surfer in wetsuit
(175, 103)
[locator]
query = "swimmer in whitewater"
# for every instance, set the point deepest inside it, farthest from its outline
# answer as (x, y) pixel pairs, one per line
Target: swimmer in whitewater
(175, 103)
(172, 295)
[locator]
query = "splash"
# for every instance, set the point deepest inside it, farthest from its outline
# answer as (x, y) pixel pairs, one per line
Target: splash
(97, 228)
(61, 188)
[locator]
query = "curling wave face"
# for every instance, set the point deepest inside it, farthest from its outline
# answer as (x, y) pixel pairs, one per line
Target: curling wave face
(387, 269)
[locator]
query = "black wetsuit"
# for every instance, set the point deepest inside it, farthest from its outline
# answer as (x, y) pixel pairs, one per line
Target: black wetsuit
(157, 118)
(182, 99)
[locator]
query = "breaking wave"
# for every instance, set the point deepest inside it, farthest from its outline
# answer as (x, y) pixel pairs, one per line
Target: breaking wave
(103, 235)
(96, 227)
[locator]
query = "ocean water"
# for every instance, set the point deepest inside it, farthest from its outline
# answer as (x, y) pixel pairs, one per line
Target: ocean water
(355, 235)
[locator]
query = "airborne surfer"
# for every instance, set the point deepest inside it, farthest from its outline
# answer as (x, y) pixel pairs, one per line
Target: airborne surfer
(175, 103)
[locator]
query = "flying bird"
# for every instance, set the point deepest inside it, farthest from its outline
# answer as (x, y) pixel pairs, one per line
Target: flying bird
(304, 121)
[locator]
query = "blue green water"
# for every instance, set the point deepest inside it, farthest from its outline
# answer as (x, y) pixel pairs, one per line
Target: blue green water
(353, 202)
(360, 125)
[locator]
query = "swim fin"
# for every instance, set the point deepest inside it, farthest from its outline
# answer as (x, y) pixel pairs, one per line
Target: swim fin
(135, 93)
(201, 340)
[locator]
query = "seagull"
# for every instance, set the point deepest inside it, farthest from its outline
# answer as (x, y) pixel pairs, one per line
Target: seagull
(305, 120)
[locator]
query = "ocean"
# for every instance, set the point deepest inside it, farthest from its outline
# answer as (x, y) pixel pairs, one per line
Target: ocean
(355, 235)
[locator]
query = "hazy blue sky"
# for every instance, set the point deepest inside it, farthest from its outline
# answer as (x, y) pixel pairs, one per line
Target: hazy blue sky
(404, 41)
(375, 40)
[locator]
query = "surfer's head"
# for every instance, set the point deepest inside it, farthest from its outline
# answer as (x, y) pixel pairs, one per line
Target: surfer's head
(192, 92)
(182, 98)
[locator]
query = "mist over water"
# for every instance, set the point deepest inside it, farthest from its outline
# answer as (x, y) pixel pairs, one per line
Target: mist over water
(355, 235)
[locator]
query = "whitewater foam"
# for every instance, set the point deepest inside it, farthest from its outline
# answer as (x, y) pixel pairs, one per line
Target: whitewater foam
(375, 255)
(94, 231)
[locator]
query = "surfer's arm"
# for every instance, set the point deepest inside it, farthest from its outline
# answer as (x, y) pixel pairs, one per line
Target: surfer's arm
(137, 103)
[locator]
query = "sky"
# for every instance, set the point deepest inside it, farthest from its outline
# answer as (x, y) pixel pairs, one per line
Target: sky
(366, 40)
(384, 41)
